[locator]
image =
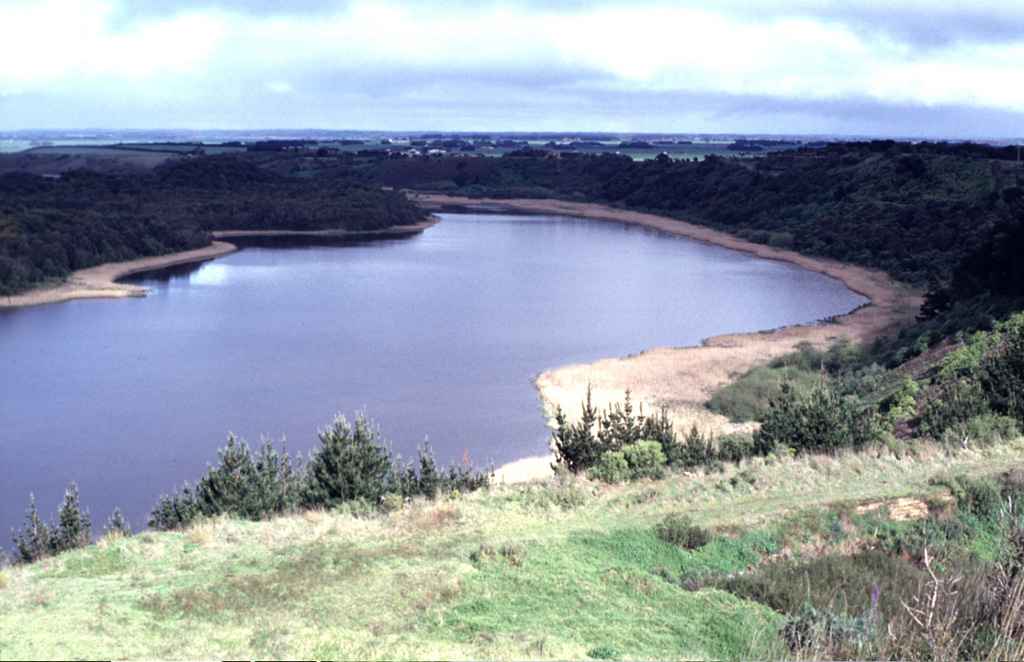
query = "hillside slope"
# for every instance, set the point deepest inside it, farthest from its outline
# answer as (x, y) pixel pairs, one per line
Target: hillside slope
(566, 569)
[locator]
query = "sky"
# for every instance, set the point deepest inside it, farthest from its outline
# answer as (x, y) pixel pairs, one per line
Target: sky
(888, 68)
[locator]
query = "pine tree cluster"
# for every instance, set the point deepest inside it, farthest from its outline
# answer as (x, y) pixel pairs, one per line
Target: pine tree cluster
(41, 540)
(352, 464)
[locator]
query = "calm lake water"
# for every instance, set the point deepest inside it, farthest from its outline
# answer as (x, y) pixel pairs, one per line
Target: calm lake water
(436, 335)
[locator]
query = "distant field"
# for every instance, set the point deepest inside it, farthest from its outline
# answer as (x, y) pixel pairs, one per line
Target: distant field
(697, 149)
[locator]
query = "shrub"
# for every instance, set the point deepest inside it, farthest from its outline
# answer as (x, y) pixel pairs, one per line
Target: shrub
(983, 430)
(611, 468)
(174, 512)
(1002, 374)
(645, 458)
(823, 421)
(353, 469)
(246, 486)
(580, 446)
(735, 447)
(697, 450)
(679, 530)
(574, 443)
(956, 403)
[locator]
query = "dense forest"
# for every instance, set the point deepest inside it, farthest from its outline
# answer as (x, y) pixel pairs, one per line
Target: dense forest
(50, 227)
(912, 210)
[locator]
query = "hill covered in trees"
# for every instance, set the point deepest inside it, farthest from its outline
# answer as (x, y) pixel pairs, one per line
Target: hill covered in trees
(912, 210)
(52, 226)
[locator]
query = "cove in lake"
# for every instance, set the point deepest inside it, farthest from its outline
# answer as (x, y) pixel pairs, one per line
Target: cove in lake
(437, 334)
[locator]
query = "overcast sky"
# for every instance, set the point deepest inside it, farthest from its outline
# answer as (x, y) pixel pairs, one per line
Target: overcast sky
(903, 68)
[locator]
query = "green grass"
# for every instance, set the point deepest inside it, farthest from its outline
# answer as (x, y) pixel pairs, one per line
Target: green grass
(554, 570)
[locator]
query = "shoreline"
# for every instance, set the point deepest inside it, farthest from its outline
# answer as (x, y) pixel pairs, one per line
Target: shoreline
(100, 282)
(682, 379)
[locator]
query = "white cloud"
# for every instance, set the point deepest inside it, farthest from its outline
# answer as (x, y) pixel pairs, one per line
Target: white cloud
(52, 41)
(490, 58)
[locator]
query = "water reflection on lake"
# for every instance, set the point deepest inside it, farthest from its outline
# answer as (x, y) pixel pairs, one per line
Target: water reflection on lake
(438, 335)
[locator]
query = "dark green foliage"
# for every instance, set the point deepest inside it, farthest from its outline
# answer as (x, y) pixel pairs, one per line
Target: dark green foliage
(351, 464)
(912, 210)
(49, 228)
(34, 543)
(242, 485)
(976, 393)
(430, 480)
(697, 450)
(678, 530)
(351, 467)
(41, 540)
(620, 442)
(821, 422)
(174, 512)
(1001, 374)
(576, 445)
(956, 403)
(247, 486)
(117, 524)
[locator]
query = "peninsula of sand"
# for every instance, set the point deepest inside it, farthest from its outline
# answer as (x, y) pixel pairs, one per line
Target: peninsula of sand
(684, 379)
(101, 282)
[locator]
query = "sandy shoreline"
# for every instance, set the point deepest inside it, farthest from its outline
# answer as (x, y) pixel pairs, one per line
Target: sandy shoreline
(100, 282)
(683, 379)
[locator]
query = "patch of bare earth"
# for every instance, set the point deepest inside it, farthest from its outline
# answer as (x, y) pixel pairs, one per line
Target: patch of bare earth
(683, 379)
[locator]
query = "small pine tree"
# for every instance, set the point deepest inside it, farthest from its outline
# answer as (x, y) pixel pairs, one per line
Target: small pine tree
(352, 464)
(697, 450)
(174, 512)
(619, 427)
(74, 527)
(822, 421)
(575, 444)
(247, 486)
(659, 428)
(429, 479)
(117, 525)
(34, 544)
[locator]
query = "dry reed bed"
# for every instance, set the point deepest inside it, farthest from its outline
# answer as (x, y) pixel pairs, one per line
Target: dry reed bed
(683, 379)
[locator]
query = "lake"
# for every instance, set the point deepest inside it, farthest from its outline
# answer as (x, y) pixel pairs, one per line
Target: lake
(434, 335)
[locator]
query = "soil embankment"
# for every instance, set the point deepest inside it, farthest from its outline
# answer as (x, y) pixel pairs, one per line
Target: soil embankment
(683, 379)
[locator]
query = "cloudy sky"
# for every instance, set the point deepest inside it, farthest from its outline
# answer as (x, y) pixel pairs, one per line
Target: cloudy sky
(904, 68)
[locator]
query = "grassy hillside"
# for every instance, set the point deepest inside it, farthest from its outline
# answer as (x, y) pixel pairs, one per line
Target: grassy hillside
(567, 569)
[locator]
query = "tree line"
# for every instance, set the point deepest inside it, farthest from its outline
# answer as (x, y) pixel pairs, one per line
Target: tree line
(912, 210)
(352, 466)
(50, 227)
